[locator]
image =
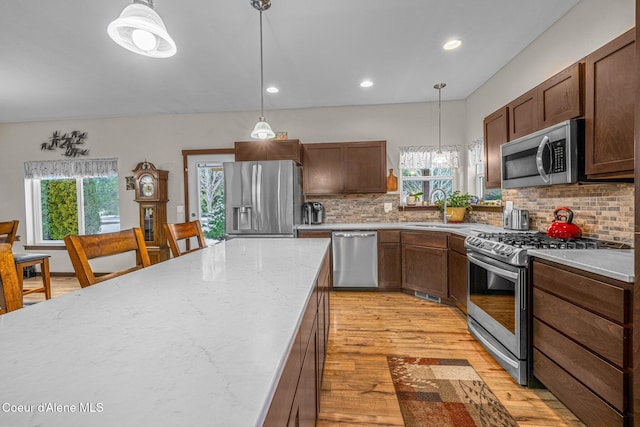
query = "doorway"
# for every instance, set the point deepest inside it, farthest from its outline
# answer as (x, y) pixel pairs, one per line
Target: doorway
(204, 190)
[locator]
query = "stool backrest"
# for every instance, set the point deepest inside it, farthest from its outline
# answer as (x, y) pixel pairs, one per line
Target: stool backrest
(83, 248)
(8, 230)
(182, 231)
(10, 295)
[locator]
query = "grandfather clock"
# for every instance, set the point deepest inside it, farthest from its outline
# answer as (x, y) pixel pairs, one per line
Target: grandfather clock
(152, 195)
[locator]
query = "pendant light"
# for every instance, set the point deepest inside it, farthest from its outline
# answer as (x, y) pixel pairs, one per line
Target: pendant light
(262, 129)
(439, 160)
(141, 30)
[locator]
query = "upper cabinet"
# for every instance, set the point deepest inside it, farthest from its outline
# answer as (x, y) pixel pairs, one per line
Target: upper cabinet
(346, 167)
(523, 115)
(610, 102)
(271, 149)
(561, 97)
(496, 133)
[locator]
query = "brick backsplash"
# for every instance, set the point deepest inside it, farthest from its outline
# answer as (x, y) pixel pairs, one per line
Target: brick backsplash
(603, 211)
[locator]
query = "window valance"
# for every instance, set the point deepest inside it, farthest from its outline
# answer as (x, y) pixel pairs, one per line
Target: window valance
(476, 152)
(420, 157)
(71, 168)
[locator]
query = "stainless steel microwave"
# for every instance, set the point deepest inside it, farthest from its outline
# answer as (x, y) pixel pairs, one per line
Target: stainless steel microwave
(554, 155)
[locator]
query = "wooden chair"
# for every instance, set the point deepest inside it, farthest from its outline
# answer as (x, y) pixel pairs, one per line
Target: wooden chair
(89, 246)
(8, 230)
(182, 231)
(10, 297)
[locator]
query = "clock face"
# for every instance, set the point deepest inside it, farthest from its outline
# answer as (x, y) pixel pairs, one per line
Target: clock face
(147, 186)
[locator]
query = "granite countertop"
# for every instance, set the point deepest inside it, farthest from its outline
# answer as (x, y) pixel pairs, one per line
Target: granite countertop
(616, 264)
(198, 340)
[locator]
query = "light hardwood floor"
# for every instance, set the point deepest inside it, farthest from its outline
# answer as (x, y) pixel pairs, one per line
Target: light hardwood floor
(366, 327)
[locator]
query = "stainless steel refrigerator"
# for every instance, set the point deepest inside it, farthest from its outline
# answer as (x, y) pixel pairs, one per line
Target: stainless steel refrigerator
(262, 198)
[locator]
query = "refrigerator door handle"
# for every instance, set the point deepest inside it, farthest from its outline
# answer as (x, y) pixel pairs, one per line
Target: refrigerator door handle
(254, 177)
(258, 188)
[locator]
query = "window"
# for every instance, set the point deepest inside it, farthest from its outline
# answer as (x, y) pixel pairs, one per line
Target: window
(211, 192)
(71, 197)
(476, 167)
(419, 175)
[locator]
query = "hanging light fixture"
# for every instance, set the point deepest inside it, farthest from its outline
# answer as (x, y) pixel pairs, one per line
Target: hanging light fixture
(439, 160)
(262, 129)
(141, 30)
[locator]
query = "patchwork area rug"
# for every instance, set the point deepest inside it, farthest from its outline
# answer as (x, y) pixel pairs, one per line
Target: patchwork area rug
(444, 392)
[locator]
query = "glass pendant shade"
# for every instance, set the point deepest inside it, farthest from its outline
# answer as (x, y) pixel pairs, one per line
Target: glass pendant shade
(262, 130)
(439, 159)
(141, 30)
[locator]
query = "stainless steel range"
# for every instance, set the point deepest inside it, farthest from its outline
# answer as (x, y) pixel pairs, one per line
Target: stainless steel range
(498, 303)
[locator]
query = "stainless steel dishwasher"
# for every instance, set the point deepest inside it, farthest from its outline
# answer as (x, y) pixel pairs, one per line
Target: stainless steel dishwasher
(355, 259)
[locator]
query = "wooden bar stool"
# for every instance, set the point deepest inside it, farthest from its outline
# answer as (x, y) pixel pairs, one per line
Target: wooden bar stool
(182, 231)
(10, 297)
(24, 260)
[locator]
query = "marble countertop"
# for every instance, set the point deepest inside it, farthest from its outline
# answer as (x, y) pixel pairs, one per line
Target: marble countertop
(617, 264)
(614, 263)
(199, 340)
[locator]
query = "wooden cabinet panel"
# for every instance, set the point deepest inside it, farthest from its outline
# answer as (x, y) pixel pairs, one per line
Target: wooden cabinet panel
(458, 279)
(432, 239)
(561, 97)
(602, 298)
(609, 109)
(579, 399)
(389, 266)
(322, 171)
(585, 366)
(389, 236)
(307, 234)
(523, 115)
(347, 167)
(456, 243)
(496, 133)
(424, 270)
(272, 149)
(365, 166)
(594, 332)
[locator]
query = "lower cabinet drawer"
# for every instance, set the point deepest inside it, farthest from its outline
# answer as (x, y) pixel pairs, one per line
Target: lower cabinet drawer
(587, 406)
(601, 377)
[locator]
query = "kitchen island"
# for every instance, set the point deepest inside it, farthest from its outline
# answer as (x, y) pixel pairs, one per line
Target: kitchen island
(202, 339)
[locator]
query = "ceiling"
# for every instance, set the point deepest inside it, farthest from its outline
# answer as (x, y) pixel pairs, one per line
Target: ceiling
(57, 61)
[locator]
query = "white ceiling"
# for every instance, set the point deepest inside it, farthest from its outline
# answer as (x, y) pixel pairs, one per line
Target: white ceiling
(57, 61)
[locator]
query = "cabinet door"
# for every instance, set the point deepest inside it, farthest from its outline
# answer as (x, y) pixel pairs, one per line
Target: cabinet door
(458, 279)
(246, 151)
(389, 266)
(289, 149)
(496, 133)
(609, 109)
(523, 115)
(561, 97)
(425, 270)
(365, 166)
(322, 171)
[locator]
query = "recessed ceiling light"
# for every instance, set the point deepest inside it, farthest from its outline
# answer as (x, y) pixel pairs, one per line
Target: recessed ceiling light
(452, 44)
(366, 83)
(273, 89)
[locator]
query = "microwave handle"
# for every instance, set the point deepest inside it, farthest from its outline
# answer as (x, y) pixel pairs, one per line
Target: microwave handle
(543, 173)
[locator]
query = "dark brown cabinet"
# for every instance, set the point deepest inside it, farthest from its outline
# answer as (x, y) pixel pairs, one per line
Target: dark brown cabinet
(424, 262)
(389, 260)
(271, 149)
(561, 97)
(347, 167)
(523, 115)
(458, 272)
(581, 345)
(609, 109)
(296, 400)
(496, 133)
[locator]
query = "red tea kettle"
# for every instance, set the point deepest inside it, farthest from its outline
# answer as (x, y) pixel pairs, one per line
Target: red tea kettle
(561, 227)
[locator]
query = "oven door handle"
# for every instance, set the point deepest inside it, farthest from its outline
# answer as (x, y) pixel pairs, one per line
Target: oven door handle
(478, 335)
(492, 268)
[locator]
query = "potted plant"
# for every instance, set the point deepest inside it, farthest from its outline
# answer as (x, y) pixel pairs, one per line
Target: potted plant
(457, 205)
(413, 198)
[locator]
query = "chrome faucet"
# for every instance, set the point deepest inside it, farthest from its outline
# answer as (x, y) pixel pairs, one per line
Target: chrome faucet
(444, 201)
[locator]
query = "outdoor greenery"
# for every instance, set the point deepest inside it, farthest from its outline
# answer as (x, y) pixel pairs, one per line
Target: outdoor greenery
(59, 202)
(211, 185)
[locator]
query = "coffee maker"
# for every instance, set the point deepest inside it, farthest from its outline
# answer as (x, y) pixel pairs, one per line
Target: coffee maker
(312, 213)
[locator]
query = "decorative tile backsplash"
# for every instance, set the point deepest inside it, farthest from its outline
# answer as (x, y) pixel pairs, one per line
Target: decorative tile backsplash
(603, 211)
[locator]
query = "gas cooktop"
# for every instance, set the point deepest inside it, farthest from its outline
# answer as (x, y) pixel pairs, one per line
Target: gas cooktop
(511, 247)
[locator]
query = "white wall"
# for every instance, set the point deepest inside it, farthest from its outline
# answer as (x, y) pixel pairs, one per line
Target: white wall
(585, 28)
(160, 139)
